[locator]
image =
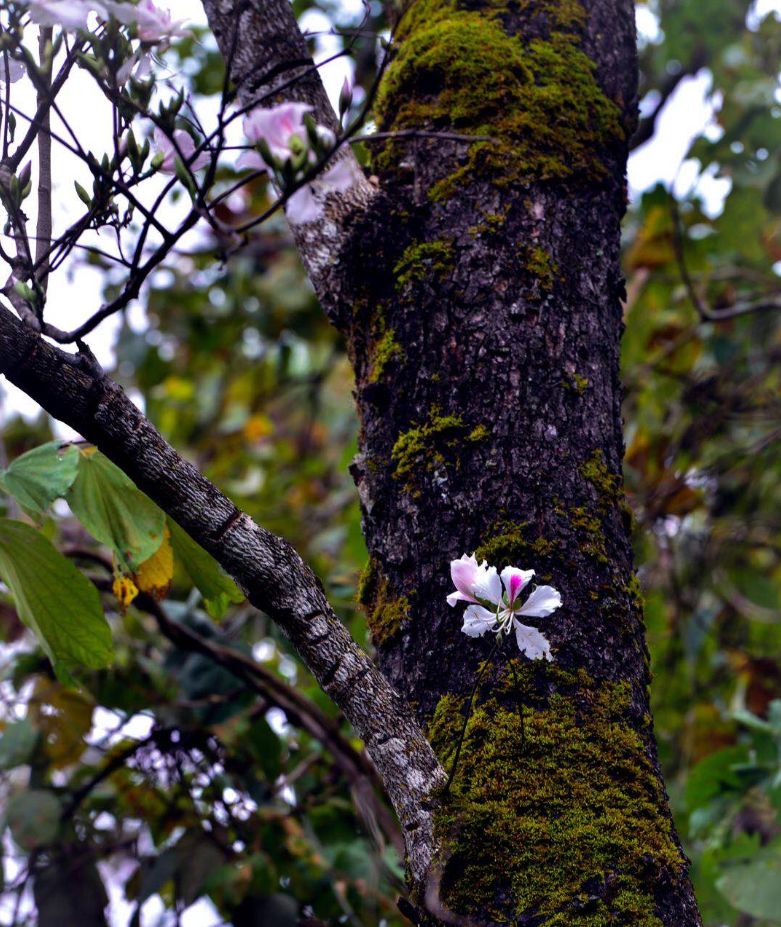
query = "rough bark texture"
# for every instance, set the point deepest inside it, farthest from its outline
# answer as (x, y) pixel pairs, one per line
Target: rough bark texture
(270, 572)
(485, 338)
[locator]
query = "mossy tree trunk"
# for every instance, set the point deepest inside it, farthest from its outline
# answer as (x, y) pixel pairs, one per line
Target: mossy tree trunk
(485, 332)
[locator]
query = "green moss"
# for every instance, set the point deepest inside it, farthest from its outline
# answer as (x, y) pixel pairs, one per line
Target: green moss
(422, 261)
(591, 534)
(540, 265)
(537, 100)
(581, 383)
(492, 224)
(385, 614)
(478, 433)
(607, 483)
(562, 821)
(511, 545)
(423, 448)
(635, 590)
(576, 383)
(386, 351)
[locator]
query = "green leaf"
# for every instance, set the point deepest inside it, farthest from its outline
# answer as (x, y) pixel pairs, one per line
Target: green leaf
(217, 588)
(53, 598)
(115, 511)
(34, 818)
(82, 194)
(42, 475)
(17, 743)
(714, 776)
(755, 887)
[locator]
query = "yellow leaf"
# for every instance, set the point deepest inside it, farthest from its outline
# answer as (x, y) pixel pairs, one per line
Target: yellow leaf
(258, 427)
(155, 574)
(64, 717)
(125, 590)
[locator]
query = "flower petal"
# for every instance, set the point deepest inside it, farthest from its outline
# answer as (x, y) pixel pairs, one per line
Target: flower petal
(276, 125)
(514, 580)
(463, 572)
(478, 620)
(342, 175)
(16, 69)
(250, 160)
(303, 206)
(488, 586)
(532, 642)
(540, 604)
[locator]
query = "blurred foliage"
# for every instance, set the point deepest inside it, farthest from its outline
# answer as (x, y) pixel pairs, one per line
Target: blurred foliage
(165, 778)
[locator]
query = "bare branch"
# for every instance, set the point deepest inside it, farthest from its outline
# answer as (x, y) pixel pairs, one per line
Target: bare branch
(706, 312)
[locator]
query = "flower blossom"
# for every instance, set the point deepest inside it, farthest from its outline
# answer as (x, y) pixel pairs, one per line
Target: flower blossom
(282, 132)
(479, 583)
(186, 150)
(280, 127)
(155, 24)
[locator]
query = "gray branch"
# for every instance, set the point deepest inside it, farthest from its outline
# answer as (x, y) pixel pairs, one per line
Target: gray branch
(268, 569)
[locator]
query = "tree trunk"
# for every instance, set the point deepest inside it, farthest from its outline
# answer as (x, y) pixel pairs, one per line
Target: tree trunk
(484, 333)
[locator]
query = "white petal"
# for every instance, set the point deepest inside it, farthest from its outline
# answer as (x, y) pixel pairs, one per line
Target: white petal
(303, 206)
(15, 69)
(531, 642)
(514, 580)
(478, 620)
(540, 604)
(455, 597)
(342, 175)
(250, 160)
(488, 586)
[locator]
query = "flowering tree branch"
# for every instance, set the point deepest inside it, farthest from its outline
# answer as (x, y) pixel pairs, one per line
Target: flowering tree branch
(267, 56)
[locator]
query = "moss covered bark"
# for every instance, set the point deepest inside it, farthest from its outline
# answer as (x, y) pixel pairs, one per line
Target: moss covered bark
(494, 265)
(555, 814)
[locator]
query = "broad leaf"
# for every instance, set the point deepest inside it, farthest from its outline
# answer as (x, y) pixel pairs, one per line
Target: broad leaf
(155, 574)
(34, 818)
(17, 743)
(53, 598)
(115, 511)
(40, 476)
(217, 588)
(755, 887)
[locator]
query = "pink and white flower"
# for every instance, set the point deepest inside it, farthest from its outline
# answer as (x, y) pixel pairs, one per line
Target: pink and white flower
(284, 135)
(157, 25)
(186, 150)
(479, 583)
(277, 127)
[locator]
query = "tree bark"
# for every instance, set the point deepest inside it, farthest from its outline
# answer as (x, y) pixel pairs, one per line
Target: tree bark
(485, 333)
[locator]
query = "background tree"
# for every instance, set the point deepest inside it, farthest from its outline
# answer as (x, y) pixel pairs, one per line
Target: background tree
(476, 292)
